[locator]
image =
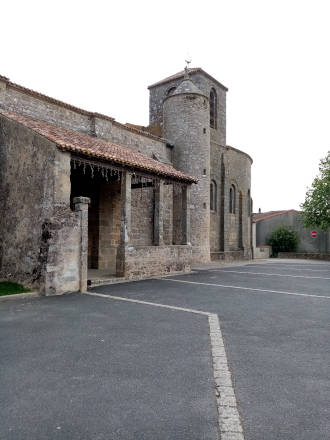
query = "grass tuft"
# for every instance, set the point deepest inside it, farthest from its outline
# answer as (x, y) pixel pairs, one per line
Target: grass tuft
(8, 288)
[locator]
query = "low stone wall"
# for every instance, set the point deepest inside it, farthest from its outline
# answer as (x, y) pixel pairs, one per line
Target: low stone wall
(262, 252)
(229, 256)
(147, 261)
(308, 256)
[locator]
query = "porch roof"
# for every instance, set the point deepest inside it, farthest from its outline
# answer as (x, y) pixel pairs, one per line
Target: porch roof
(98, 148)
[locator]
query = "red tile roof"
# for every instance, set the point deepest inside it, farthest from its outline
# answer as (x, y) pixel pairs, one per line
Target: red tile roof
(76, 109)
(257, 217)
(98, 148)
(181, 75)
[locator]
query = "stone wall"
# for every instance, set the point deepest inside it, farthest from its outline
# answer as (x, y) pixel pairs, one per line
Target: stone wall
(62, 271)
(142, 216)
(238, 173)
(204, 83)
(142, 223)
(47, 172)
(216, 153)
(109, 225)
(262, 252)
(236, 170)
(183, 126)
(18, 100)
(148, 261)
(186, 124)
(292, 219)
(26, 200)
(168, 214)
(304, 255)
(149, 146)
(37, 228)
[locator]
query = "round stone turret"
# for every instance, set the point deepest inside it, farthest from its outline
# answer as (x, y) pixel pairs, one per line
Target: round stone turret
(186, 119)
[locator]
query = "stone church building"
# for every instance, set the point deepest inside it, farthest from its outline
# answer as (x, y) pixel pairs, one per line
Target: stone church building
(81, 193)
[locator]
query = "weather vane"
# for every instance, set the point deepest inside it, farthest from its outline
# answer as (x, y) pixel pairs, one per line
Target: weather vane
(188, 61)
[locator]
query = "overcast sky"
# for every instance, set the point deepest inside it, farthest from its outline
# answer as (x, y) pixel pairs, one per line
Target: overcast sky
(272, 55)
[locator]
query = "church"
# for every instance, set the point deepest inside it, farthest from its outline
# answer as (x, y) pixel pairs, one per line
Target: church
(83, 196)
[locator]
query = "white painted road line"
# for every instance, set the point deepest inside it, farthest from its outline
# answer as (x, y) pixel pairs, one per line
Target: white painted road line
(119, 298)
(268, 266)
(273, 274)
(302, 265)
(229, 422)
(253, 290)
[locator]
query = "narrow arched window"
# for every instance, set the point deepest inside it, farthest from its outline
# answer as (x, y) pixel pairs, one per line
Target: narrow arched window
(232, 199)
(248, 201)
(170, 91)
(213, 108)
(213, 196)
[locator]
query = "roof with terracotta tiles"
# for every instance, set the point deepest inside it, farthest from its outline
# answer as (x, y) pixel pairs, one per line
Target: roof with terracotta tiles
(179, 75)
(257, 217)
(77, 109)
(98, 148)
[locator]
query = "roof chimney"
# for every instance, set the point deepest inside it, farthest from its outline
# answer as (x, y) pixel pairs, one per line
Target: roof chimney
(259, 210)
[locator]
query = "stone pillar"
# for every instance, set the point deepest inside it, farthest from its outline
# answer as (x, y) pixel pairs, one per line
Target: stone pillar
(177, 215)
(186, 215)
(125, 222)
(159, 214)
(81, 207)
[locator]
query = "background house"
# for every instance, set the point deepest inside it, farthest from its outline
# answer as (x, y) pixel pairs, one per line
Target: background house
(311, 240)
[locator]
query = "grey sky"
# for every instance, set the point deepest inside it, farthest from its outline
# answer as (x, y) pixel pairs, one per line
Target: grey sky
(272, 55)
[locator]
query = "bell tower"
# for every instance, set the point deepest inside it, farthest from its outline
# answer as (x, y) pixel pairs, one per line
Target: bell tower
(186, 123)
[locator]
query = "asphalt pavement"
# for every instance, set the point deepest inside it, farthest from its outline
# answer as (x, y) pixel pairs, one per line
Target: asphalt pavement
(90, 367)
(85, 368)
(275, 319)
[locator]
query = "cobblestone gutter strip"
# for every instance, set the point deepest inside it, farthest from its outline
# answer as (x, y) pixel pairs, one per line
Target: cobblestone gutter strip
(229, 422)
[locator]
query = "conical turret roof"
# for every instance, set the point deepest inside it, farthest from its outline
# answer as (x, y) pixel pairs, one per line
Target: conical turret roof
(187, 86)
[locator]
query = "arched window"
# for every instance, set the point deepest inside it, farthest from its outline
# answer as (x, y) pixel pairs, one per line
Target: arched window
(213, 195)
(170, 91)
(248, 201)
(213, 108)
(232, 199)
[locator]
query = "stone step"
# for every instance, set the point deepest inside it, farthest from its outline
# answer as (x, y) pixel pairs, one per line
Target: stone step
(101, 281)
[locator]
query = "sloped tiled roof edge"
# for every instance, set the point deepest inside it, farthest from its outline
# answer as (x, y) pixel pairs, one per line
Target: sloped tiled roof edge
(179, 75)
(77, 109)
(98, 148)
(257, 217)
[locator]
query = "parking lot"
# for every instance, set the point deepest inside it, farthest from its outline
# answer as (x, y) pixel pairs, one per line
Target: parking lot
(275, 319)
(96, 367)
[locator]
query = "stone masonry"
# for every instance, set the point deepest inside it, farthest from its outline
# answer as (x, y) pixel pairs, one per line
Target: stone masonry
(138, 223)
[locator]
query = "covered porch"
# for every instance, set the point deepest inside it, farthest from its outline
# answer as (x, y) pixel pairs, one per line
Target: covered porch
(138, 221)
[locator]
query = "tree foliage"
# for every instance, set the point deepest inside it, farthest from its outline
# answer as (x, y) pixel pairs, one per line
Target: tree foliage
(283, 239)
(316, 207)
